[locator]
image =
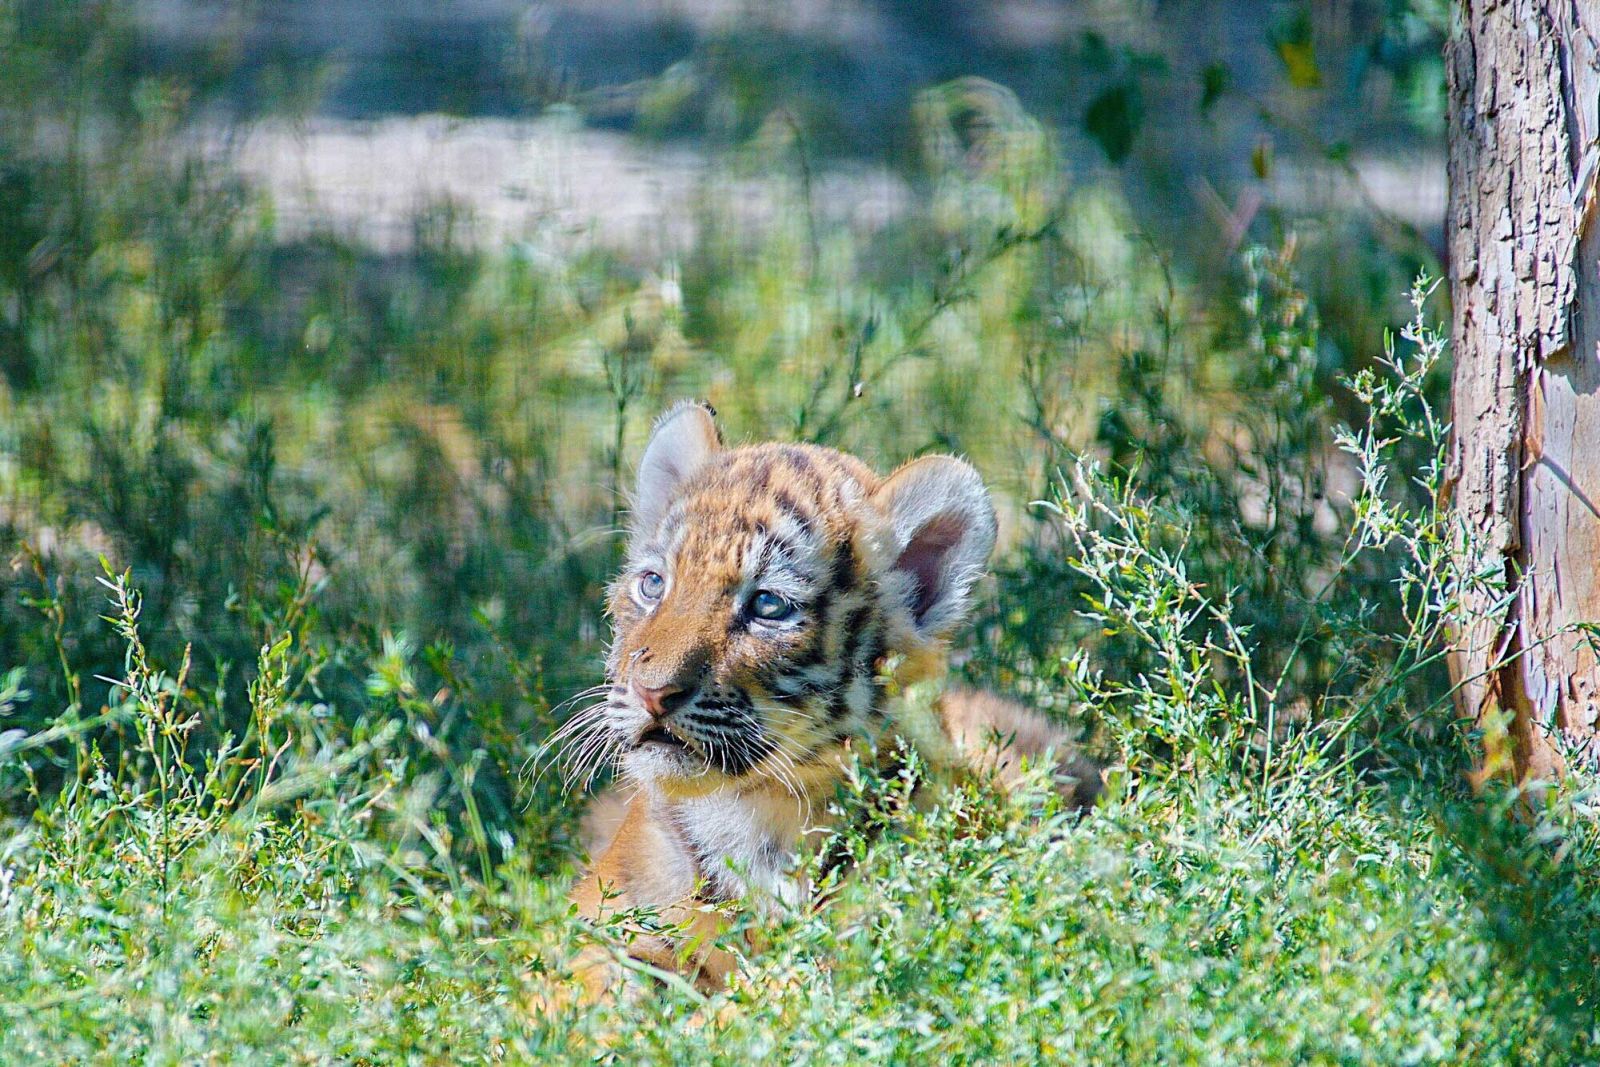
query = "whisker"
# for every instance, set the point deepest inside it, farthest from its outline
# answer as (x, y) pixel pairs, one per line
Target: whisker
(781, 770)
(577, 749)
(779, 762)
(578, 720)
(588, 761)
(558, 745)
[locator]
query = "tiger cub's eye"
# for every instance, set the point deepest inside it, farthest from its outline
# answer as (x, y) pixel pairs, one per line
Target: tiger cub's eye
(651, 585)
(770, 607)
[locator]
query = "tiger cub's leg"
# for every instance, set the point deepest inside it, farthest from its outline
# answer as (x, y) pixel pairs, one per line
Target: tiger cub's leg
(993, 735)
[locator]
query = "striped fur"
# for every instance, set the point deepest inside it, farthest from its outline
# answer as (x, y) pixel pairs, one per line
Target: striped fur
(765, 589)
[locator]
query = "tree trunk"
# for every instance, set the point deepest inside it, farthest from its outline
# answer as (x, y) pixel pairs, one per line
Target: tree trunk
(1524, 473)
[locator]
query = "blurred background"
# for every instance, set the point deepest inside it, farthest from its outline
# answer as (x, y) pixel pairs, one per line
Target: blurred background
(346, 319)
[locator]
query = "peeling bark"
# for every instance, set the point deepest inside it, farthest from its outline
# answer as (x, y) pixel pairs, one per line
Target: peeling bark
(1524, 475)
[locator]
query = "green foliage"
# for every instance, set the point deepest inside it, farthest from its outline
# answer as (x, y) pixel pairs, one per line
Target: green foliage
(1293, 40)
(1113, 119)
(265, 775)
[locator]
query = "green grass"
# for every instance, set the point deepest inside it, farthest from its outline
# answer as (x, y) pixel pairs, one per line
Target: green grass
(307, 548)
(1189, 918)
(1331, 897)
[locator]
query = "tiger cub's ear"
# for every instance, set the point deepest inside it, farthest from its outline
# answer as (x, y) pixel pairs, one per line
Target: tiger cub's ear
(682, 440)
(943, 528)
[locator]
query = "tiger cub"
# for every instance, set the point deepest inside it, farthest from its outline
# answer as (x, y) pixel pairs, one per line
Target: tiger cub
(765, 589)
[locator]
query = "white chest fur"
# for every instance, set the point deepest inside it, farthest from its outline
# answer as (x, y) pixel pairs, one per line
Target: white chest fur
(744, 844)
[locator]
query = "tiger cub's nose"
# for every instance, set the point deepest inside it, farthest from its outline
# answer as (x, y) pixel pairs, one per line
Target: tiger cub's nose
(661, 701)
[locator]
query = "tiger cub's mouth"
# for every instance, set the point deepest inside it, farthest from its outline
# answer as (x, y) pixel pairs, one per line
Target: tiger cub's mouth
(659, 734)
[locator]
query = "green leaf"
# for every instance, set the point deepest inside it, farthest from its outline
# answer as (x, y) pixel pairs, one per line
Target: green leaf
(1300, 63)
(1215, 80)
(1113, 119)
(1292, 39)
(1261, 159)
(1096, 54)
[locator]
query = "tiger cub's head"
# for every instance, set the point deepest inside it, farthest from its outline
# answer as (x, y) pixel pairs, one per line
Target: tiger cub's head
(763, 588)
